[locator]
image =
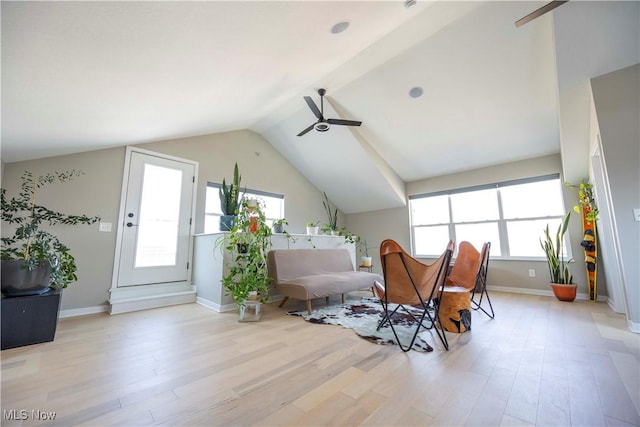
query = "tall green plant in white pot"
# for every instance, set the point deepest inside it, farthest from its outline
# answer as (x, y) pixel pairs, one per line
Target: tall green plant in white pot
(33, 258)
(561, 278)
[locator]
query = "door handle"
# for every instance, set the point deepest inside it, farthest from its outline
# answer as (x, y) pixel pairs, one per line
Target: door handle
(129, 224)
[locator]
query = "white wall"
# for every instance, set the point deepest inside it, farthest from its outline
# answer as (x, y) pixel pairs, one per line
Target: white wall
(95, 193)
(591, 38)
(98, 193)
(617, 102)
(376, 226)
(394, 223)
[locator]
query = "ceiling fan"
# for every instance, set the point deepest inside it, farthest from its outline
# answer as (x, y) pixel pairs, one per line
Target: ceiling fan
(323, 125)
(539, 12)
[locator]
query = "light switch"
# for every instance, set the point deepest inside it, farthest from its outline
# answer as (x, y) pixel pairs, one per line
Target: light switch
(636, 214)
(105, 227)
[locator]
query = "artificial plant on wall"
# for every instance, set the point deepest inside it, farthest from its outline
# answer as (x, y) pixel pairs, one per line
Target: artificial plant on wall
(586, 200)
(588, 209)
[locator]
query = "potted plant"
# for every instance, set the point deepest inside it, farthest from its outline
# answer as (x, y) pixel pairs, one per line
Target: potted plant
(312, 228)
(34, 259)
(36, 265)
(561, 278)
(332, 226)
(247, 278)
(364, 250)
(586, 201)
(278, 225)
(230, 200)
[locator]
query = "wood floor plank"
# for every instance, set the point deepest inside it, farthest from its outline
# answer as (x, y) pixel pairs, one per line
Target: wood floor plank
(553, 406)
(629, 372)
(539, 362)
(333, 410)
(523, 401)
(616, 402)
(328, 389)
(584, 399)
(488, 410)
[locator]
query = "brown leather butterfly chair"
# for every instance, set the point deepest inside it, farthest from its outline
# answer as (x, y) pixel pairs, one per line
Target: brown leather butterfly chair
(470, 271)
(408, 282)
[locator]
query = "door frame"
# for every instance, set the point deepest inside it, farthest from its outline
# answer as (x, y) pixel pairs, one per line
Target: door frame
(616, 286)
(122, 219)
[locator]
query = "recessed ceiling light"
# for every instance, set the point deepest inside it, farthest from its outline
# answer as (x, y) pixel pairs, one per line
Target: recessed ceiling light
(340, 27)
(409, 3)
(416, 92)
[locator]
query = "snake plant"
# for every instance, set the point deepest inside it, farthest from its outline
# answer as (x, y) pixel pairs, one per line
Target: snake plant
(230, 194)
(552, 247)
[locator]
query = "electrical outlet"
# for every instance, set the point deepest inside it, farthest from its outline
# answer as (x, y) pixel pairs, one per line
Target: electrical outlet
(105, 227)
(532, 272)
(636, 215)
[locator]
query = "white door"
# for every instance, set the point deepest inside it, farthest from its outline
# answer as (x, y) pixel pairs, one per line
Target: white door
(156, 220)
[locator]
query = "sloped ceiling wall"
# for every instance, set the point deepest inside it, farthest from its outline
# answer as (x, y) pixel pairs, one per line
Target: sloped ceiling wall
(490, 93)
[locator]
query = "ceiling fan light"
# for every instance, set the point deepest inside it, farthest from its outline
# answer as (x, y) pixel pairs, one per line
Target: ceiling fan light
(321, 126)
(416, 92)
(340, 27)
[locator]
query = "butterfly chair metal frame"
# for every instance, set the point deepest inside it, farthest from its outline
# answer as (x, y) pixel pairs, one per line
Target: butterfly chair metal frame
(424, 292)
(481, 282)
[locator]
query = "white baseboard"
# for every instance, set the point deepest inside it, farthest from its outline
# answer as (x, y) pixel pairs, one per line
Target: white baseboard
(143, 297)
(151, 302)
(228, 307)
(634, 327)
(215, 307)
(540, 292)
(73, 312)
(614, 309)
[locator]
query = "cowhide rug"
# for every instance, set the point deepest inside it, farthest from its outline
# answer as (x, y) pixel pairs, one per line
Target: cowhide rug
(363, 317)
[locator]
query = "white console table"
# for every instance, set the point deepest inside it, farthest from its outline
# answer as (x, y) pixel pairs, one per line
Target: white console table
(209, 260)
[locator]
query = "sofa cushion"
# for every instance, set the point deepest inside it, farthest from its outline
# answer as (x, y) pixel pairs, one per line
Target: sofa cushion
(314, 273)
(323, 285)
(287, 264)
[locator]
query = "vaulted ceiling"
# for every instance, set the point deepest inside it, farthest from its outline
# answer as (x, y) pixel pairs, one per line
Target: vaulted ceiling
(79, 76)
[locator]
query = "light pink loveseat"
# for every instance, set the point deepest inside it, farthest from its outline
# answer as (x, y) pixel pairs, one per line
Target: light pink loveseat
(305, 274)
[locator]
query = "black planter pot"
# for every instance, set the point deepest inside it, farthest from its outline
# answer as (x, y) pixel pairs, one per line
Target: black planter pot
(226, 222)
(29, 319)
(17, 280)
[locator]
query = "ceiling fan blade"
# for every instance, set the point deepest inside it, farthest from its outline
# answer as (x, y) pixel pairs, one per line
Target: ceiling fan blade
(306, 130)
(313, 107)
(343, 122)
(539, 12)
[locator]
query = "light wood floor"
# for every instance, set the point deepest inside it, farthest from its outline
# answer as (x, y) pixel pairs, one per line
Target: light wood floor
(539, 362)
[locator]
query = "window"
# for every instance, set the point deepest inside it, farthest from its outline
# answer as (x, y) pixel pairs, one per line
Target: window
(274, 206)
(511, 215)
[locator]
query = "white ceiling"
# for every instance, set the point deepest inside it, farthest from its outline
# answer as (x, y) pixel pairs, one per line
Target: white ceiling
(79, 76)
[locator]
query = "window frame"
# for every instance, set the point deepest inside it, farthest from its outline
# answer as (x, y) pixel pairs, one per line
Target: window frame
(501, 221)
(246, 191)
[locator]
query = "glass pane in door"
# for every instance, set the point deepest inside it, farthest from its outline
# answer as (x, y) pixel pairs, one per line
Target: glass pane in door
(157, 238)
